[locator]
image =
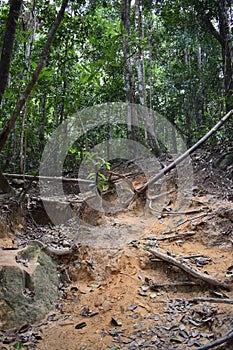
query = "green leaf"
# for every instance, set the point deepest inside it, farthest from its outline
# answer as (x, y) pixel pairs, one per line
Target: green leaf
(102, 176)
(91, 176)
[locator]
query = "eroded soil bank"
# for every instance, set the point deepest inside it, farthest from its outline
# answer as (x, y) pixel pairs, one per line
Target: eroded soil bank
(114, 294)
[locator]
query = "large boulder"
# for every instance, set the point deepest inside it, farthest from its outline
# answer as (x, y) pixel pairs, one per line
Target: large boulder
(28, 286)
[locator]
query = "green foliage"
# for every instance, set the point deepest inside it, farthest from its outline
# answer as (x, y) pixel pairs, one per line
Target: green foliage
(94, 161)
(86, 67)
(18, 345)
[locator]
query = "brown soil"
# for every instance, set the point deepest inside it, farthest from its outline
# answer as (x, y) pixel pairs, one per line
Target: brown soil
(107, 296)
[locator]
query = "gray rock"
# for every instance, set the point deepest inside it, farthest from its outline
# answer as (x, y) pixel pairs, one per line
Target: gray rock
(28, 287)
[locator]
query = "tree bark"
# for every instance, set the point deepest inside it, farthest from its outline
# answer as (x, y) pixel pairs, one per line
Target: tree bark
(227, 54)
(129, 83)
(8, 44)
(128, 73)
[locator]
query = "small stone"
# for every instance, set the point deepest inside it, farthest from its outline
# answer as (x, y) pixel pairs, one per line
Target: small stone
(65, 243)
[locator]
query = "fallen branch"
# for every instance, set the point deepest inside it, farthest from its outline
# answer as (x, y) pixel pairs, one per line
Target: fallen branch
(214, 300)
(47, 178)
(155, 286)
(228, 336)
(183, 222)
(164, 211)
(178, 235)
(187, 269)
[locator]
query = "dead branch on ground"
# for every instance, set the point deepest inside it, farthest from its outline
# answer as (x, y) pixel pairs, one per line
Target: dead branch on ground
(47, 178)
(155, 286)
(177, 236)
(214, 300)
(227, 337)
(187, 269)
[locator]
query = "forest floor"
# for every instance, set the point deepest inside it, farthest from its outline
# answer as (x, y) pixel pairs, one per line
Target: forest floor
(123, 297)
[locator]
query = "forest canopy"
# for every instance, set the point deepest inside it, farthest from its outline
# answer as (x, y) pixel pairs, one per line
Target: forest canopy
(175, 57)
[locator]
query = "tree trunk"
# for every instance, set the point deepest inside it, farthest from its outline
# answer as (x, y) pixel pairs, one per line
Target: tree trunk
(8, 44)
(224, 37)
(187, 108)
(43, 119)
(128, 73)
(140, 66)
(227, 54)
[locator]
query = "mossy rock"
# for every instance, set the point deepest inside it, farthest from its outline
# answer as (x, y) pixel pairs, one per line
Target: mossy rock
(27, 293)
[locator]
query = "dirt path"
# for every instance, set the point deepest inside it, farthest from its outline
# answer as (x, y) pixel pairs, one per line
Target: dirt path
(110, 305)
(114, 294)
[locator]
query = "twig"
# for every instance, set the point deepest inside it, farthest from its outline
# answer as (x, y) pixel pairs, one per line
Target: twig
(178, 235)
(215, 300)
(172, 284)
(193, 256)
(187, 269)
(166, 212)
(224, 339)
(183, 222)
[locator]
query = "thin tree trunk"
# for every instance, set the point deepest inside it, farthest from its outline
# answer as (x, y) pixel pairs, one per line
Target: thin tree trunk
(187, 108)
(227, 54)
(140, 54)
(128, 73)
(22, 155)
(224, 37)
(29, 26)
(42, 127)
(140, 66)
(151, 63)
(64, 87)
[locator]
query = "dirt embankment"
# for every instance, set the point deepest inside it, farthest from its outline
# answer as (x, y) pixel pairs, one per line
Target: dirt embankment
(120, 296)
